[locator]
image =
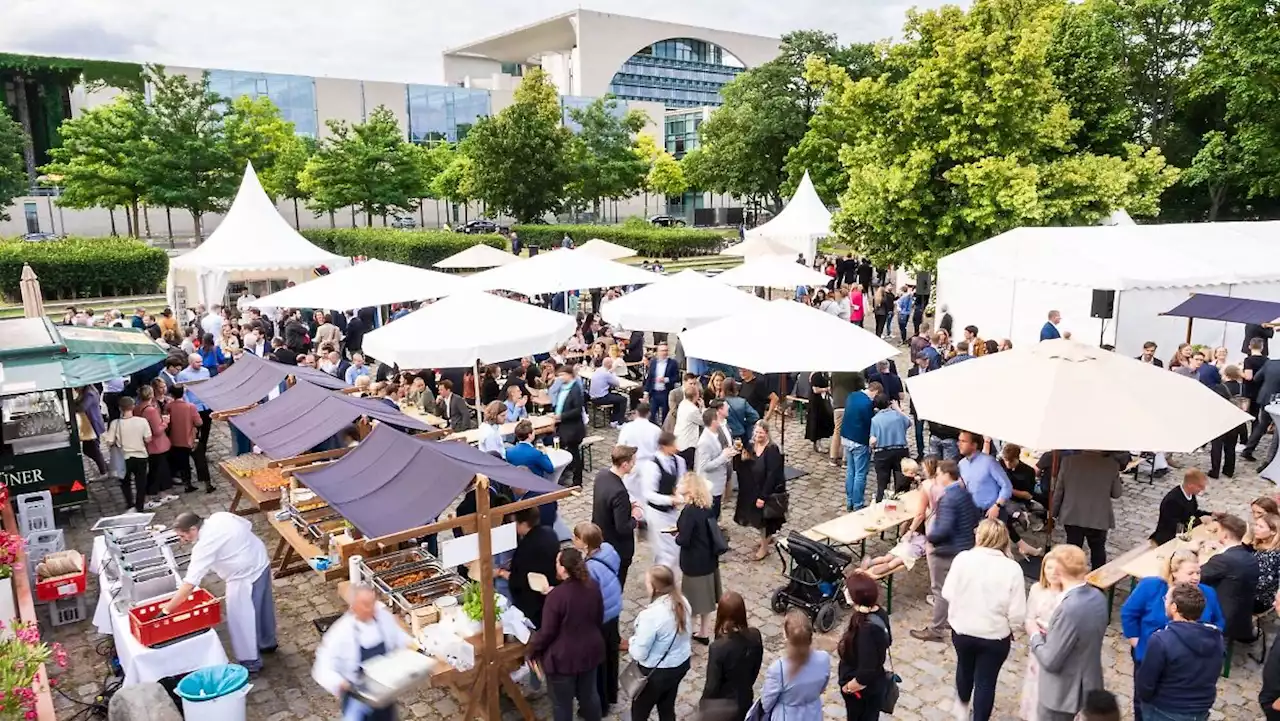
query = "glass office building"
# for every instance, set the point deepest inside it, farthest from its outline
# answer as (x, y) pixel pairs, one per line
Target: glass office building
(295, 95)
(442, 113)
(680, 73)
(680, 130)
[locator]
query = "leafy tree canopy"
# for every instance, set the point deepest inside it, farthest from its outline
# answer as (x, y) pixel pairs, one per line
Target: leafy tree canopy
(13, 168)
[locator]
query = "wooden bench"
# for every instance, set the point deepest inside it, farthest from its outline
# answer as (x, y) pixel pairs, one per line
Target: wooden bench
(887, 580)
(1106, 577)
(800, 404)
(587, 446)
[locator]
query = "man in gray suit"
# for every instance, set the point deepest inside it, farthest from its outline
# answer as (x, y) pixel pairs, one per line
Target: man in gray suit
(712, 455)
(453, 408)
(1070, 650)
(1082, 499)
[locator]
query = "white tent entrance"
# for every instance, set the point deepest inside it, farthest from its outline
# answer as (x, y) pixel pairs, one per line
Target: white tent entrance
(794, 231)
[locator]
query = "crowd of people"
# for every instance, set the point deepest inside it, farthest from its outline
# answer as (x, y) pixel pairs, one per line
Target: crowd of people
(695, 436)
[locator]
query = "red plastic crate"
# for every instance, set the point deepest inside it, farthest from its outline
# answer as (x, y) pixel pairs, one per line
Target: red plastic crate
(199, 612)
(51, 589)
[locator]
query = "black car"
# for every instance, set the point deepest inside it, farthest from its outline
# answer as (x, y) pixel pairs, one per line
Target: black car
(482, 226)
(666, 221)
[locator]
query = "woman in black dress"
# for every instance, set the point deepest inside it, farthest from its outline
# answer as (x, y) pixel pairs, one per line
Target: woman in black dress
(733, 662)
(764, 477)
(820, 422)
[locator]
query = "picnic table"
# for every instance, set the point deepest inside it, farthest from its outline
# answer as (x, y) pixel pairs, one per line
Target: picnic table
(624, 384)
(417, 413)
(858, 526)
(1152, 561)
(541, 424)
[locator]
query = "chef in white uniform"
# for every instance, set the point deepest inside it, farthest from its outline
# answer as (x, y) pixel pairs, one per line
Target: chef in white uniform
(658, 480)
(226, 544)
(365, 631)
(642, 435)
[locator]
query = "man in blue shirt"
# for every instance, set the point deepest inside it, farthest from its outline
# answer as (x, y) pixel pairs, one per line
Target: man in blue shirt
(1206, 373)
(889, 428)
(357, 369)
(855, 437)
(524, 454)
(600, 390)
(985, 478)
(1050, 329)
(195, 371)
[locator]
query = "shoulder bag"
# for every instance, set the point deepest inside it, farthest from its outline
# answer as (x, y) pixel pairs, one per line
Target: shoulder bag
(889, 699)
(775, 506)
(633, 679)
(757, 712)
(719, 546)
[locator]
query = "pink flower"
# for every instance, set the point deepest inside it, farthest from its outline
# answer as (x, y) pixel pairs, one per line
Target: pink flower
(29, 715)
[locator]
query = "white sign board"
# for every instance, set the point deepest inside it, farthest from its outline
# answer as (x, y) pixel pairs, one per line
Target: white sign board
(464, 549)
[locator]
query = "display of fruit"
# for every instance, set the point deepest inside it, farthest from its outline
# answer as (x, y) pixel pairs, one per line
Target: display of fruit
(243, 466)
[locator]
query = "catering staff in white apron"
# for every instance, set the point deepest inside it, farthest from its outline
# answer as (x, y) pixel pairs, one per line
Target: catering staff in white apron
(226, 544)
(658, 480)
(365, 631)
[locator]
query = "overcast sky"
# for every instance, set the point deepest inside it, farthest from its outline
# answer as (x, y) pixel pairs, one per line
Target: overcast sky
(396, 40)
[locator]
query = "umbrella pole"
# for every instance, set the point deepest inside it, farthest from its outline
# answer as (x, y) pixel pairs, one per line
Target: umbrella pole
(1053, 479)
(488, 662)
(475, 379)
(782, 405)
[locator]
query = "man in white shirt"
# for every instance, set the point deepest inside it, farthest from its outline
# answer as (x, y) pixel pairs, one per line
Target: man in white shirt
(642, 435)
(226, 544)
(211, 323)
(254, 344)
(364, 632)
(658, 480)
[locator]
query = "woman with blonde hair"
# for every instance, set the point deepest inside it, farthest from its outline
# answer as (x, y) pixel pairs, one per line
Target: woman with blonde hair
(491, 430)
(1042, 600)
(1181, 357)
(1145, 612)
(699, 560)
(715, 385)
(794, 683)
(661, 645)
(1266, 548)
(688, 424)
(1220, 358)
(986, 603)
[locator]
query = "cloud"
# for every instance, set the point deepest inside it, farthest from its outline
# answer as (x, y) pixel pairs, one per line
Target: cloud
(374, 39)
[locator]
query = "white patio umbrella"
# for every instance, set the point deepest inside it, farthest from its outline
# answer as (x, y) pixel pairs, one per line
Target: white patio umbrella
(477, 256)
(468, 329)
(687, 299)
(605, 250)
(772, 271)
(1063, 394)
(559, 271)
(371, 283)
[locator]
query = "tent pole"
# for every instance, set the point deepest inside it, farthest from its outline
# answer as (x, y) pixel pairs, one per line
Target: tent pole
(1190, 321)
(475, 379)
(488, 666)
(1053, 479)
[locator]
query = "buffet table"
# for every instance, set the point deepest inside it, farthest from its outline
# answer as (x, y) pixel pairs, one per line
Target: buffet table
(294, 551)
(142, 664)
(247, 490)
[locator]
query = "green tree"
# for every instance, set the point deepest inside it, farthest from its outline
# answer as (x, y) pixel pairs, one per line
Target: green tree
(456, 182)
(186, 162)
(13, 165)
(100, 161)
(284, 178)
(967, 135)
(606, 165)
(521, 163)
(369, 165)
(1086, 57)
(664, 174)
(256, 133)
(765, 114)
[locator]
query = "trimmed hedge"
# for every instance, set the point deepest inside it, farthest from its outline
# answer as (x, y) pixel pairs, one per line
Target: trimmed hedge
(646, 241)
(421, 248)
(76, 267)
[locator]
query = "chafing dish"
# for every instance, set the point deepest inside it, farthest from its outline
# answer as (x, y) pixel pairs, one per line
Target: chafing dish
(126, 521)
(408, 574)
(369, 567)
(319, 523)
(423, 594)
(148, 583)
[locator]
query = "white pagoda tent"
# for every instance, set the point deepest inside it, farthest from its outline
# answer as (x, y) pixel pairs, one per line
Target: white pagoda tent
(252, 243)
(793, 231)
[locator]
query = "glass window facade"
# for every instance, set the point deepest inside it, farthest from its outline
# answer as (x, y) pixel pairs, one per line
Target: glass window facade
(444, 114)
(295, 95)
(680, 130)
(617, 109)
(681, 73)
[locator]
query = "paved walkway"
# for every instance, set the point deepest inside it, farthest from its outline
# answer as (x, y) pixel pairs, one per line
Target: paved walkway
(285, 689)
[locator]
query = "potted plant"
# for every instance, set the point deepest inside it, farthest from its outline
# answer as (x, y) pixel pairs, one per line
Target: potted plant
(21, 653)
(11, 546)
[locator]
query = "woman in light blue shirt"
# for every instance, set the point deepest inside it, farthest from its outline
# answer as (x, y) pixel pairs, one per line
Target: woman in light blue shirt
(793, 684)
(515, 404)
(661, 645)
(491, 430)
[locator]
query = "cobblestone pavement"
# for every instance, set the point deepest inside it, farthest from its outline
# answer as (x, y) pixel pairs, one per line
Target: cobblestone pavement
(285, 689)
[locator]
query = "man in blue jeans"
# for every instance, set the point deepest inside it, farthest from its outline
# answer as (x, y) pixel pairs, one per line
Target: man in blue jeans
(855, 437)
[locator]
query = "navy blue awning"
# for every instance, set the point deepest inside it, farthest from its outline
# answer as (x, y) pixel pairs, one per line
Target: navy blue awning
(1233, 310)
(250, 379)
(392, 482)
(306, 415)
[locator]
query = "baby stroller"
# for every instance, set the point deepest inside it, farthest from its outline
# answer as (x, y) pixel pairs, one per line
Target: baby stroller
(815, 580)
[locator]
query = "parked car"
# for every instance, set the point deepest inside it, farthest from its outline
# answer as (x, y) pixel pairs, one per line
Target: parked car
(404, 222)
(481, 226)
(39, 237)
(666, 221)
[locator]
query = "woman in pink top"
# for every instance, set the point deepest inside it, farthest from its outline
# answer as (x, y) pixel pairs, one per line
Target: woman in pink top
(856, 309)
(159, 480)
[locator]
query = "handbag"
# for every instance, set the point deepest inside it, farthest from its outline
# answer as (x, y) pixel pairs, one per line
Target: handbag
(889, 699)
(757, 712)
(633, 679)
(719, 546)
(775, 506)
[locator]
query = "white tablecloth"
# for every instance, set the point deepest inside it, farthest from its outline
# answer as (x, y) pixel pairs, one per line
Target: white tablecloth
(560, 459)
(140, 663)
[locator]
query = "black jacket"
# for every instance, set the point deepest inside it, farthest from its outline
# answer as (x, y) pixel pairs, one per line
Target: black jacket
(535, 553)
(1269, 384)
(693, 536)
(1175, 509)
(611, 511)
(865, 661)
(570, 427)
(954, 522)
(1254, 330)
(1270, 685)
(1234, 575)
(354, 339)
(733, 664)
